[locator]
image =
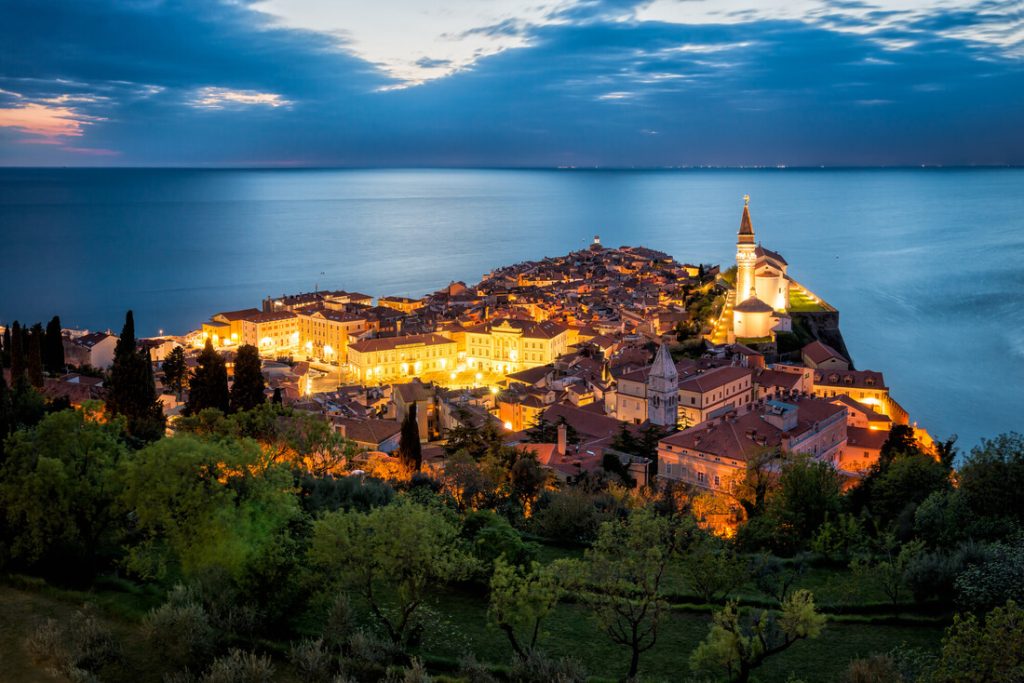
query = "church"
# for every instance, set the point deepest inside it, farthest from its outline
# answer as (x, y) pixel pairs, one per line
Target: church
(761, 297)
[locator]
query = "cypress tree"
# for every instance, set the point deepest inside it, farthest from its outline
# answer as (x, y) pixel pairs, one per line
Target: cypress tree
(208, 387)
(247, 391)
(131, 390)
(17, 353)
(277, 399)
(409, 450)
(34, 356)
(53, 348)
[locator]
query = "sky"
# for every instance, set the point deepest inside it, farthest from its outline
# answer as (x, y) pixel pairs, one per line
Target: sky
(511, 83)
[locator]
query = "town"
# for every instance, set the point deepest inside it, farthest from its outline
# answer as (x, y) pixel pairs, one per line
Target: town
(610, 442)
(720, 365)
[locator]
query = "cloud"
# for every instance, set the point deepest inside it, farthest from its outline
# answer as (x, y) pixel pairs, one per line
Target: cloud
(219, 98)
(849, 84)
(44, 124)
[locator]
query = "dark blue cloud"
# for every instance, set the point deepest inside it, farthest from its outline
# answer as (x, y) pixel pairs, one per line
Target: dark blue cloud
(588, 91)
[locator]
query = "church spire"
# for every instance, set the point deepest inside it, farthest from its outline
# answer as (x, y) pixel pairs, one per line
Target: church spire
(746, 227)
(663, 366)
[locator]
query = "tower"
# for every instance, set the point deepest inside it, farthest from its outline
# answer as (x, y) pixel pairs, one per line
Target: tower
(746, 258)
(663, 390)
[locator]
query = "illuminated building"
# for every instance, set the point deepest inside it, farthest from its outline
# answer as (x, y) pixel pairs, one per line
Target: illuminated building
(663, 390)
(384, 359)
(714, 454)
(324, 333)
(225, 328)
(272, 333)
(508, 346)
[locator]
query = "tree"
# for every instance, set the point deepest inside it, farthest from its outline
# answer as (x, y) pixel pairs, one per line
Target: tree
(58, 492)
(175, 371)
(202, 505)
(621, 577)
(34, 356)
(466, 482)
(409, 450)
(53, 347)
(988, 651)
(308, 442)
(17, 351)
(277, 399)
(808, 493)
(247, 391)
(888, 567)
(758, 481)
(520, 599)
(992, 478)
(994, 580)
(545, 431)
(738, 644)
(392, 555)
(208, 387)
(131, 389)
(712, 570)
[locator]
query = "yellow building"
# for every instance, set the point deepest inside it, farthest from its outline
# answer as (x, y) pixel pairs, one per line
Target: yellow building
(272, 333)
(864, 386)
(508, 346)
(225, 328)
(400, 303)
(373, 360)
(325, 333)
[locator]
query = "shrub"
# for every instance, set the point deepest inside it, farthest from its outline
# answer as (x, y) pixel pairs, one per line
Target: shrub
(339, 623)
(536, 666)
(472, 671)
(78, 648)
(180, 634)
(240, 667)
(312, 661)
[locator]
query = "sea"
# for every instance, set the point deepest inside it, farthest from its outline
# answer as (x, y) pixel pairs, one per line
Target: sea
(926, 266)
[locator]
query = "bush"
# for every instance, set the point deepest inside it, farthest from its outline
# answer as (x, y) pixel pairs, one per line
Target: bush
(312, 661)
(536, 667)
(180, 633)
(78, 648)
(568, 516)
(240, 667)
(339, 623)
(472, 671)
(414, 673)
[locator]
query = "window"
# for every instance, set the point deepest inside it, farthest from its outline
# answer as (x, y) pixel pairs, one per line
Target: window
(700, 477)
(718, 482)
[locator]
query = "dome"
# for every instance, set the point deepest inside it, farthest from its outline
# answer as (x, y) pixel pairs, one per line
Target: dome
(753, 305)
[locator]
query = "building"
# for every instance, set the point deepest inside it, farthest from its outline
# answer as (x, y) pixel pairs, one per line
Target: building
(273, 333)
(821, 356)
(864, 386)
(324, 333)
(400, 303)
(424, 398)
(762, 288)
(714, 454)
(509, 346)
(225, 328)
(96, 349)
(389, 358)
(709, 392)
(370, 435)
(663, 390)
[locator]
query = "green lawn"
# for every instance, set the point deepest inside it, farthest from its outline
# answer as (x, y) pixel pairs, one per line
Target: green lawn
(570, 631)
(799, 302)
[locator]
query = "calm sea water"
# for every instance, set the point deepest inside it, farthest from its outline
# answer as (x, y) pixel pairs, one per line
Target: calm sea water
(926, 266)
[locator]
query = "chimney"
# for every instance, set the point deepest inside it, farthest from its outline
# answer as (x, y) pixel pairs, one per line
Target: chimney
(561, 439)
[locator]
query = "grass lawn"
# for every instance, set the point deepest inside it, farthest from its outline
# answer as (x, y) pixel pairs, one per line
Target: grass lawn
(570, 631)
(799, 302)
(461, 626)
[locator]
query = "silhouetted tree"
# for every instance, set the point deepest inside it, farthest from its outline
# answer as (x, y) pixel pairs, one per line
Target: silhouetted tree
(277, 399)
(409, 451)
(53, 347)
(208, 387)
(131, 390)
(175, 370)
(17, 345)
(247, 391)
